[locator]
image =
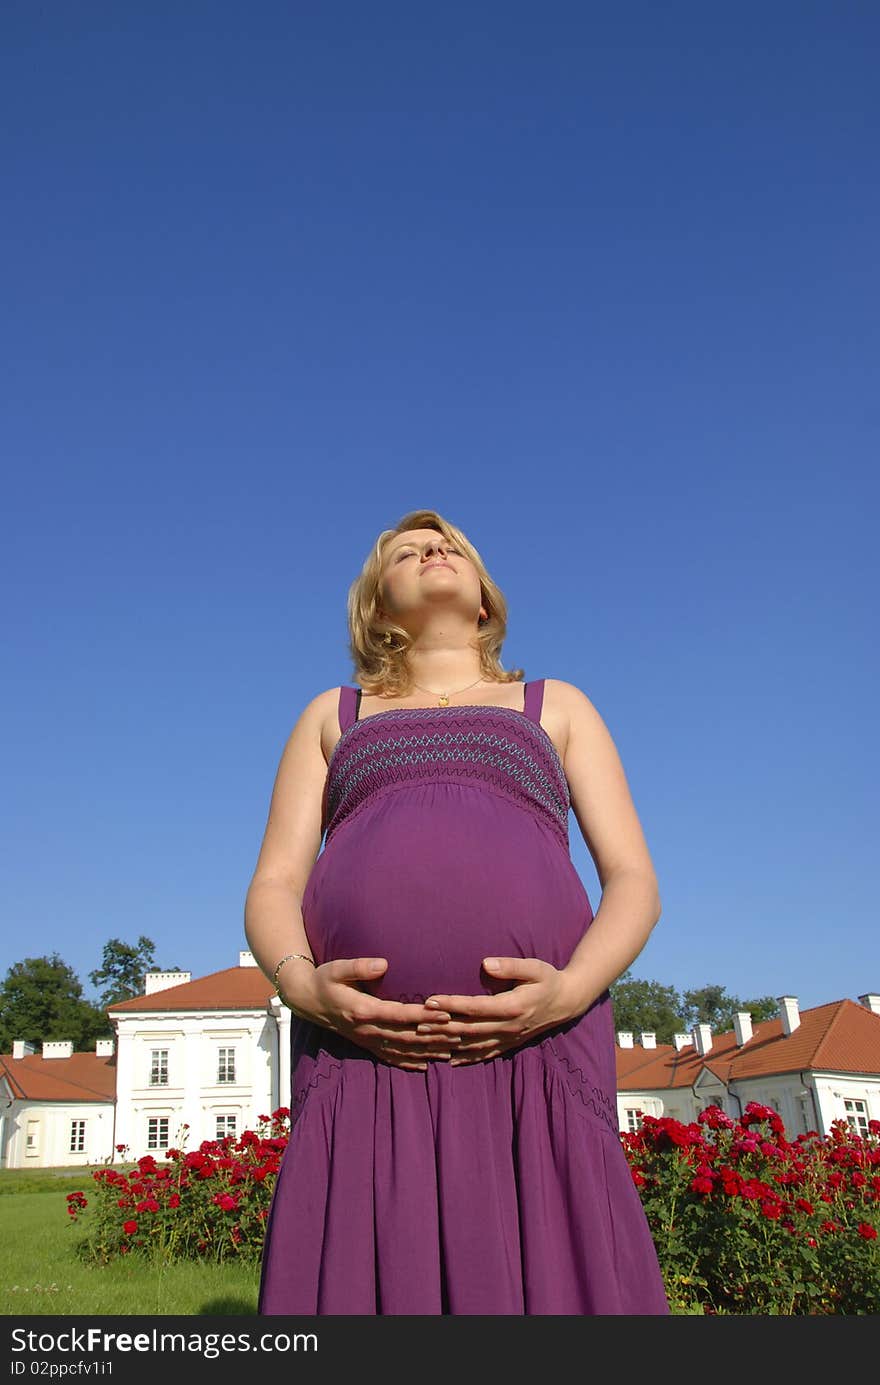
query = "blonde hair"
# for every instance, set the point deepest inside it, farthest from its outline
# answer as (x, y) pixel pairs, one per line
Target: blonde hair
(384, 668)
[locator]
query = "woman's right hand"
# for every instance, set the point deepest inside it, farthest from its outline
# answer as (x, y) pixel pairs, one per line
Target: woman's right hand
(329, 995)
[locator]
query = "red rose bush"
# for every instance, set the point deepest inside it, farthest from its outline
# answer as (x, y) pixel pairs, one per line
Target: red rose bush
(746, 1221)
(210, 1203)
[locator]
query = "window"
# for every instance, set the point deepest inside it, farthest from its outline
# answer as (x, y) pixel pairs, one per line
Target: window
(157, 1132)
(226, 1065)
(225, 1126)
(857, 1115)
(159, 1067)
(632, 1118)
(32, 1143)
(77, 1137)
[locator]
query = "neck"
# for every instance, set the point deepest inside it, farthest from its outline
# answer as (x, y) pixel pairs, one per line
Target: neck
(444, 654)
(444, 669)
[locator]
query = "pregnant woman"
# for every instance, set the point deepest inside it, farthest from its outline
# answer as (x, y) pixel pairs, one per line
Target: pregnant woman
(454, 1142)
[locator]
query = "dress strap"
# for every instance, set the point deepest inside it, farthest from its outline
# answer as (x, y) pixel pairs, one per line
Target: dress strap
(349, 706)
(534, 699)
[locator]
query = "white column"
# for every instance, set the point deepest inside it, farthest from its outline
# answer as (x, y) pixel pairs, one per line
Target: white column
(281, 1075)
(125, 1132)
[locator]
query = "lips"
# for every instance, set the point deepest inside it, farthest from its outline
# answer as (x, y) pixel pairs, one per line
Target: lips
(437, 564)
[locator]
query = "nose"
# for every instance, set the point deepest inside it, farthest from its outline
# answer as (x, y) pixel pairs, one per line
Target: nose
(434, 549)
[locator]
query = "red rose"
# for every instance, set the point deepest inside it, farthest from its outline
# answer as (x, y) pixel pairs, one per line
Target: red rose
(226, 1201)
(867, 1233)
(174, 1200)
(130, 1227)
(701, 1184)
(803, 1206)
(771, 1210)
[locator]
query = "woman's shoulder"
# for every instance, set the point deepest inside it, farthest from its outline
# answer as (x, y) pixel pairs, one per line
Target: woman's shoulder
(564, 695)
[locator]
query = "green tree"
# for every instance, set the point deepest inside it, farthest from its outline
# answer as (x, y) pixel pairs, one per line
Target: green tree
(646, 1007)
(41, 998)
(709, 1005)
(714, 1006)
(766, 1007)
(123, 969)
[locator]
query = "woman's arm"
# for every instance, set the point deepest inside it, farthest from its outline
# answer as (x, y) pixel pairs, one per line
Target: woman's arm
(607, 818)
(273, 922)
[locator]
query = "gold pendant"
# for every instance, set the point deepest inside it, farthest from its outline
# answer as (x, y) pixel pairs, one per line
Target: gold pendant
(444, 700)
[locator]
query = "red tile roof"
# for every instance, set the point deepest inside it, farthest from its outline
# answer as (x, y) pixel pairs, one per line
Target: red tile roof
(82, 1077)
(235, 988)
(838, 1037)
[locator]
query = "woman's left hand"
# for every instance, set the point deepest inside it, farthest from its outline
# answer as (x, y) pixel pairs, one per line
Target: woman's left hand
(490, 1025)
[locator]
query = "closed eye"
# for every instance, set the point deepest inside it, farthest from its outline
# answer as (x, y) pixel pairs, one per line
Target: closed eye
(410, 553)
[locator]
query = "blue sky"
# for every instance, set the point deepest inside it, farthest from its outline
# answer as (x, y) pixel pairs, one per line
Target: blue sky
(599, 283)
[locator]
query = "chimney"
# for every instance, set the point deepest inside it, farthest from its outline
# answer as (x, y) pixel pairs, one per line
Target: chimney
(871, 1002)
(624, 1038)
(163, 980)
(681, 1041)
(788, 1013)
(247, 959)
(742, 1025)
(104, 1048)
(23, 1048)
(702, 1038)
(649, 1040)
(58, 1048)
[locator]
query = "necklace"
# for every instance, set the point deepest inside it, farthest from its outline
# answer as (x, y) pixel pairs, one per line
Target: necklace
(444, 697)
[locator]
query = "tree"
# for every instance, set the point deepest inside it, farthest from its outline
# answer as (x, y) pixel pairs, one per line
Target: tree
(646, 1007)
(709, 1005)
(123, 969)
(712, 1005)
(766, 1007)
(41, 999)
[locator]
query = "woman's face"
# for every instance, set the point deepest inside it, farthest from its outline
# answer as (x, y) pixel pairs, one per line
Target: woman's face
(420, 570)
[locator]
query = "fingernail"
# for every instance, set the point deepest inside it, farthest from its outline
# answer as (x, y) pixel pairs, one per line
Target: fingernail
(432, 1005)
(376, 966)
(491, 964)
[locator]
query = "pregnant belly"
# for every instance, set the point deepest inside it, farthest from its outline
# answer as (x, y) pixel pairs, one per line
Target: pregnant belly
(434, 894)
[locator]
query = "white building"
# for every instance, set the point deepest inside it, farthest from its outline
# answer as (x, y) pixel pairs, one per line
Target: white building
(57, 1106)
(813, 1067)
(211, 1054)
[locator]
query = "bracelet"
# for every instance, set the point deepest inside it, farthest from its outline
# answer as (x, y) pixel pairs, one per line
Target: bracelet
(288, 958)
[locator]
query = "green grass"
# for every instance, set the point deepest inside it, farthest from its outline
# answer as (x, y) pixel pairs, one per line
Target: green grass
(45, 1180)
(40, 1272)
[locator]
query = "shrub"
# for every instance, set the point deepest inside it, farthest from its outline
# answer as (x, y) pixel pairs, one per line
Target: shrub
(211, 1203)
(746, 1221)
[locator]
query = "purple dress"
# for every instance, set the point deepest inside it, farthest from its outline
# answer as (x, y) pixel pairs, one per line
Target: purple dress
(492, 1188)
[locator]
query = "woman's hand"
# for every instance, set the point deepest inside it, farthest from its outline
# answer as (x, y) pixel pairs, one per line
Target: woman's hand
(329, 995)
(489, 1025)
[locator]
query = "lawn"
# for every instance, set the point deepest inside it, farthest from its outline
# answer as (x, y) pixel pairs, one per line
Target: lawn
(41, 1273)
